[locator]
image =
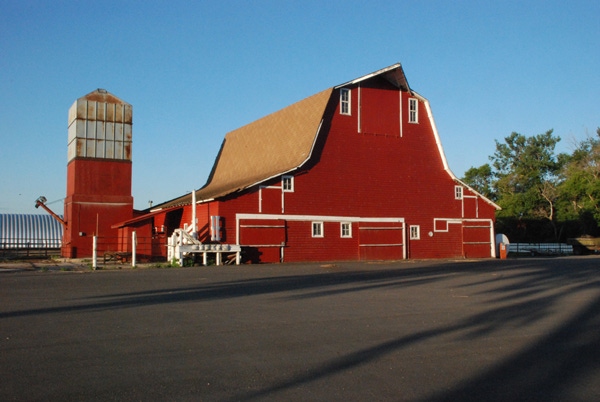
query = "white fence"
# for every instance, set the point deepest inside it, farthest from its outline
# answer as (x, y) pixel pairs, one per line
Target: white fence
(540, 249)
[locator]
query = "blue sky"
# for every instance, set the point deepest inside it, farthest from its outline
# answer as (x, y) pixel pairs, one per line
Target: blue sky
(194, 71)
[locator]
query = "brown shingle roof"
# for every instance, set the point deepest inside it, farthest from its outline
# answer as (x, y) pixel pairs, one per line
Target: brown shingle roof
(270, 146)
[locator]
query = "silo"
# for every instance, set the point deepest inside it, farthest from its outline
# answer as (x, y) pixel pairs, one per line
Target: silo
(98, 172)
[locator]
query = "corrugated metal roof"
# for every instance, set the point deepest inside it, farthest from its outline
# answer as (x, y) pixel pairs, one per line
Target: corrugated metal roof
(30, 230)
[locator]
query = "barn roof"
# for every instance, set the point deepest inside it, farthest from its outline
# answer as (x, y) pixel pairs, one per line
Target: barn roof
(270, 146)
(274, 144)
(394, 74)
(267, 147)
(30, 230)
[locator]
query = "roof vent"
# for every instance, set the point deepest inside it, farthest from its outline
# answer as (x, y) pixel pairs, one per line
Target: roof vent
(102, 91)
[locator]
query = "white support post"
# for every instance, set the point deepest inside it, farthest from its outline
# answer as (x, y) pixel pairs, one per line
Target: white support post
(194, 220)
(404, 246)
(94, 252)
(133, 248)
(170, 249)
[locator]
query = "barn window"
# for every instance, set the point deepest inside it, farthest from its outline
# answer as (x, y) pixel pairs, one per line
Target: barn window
(346, 229)
(344, 101)
(317, 229)
(413, 110)
(287, 183)
(458, 192)
(415, 232)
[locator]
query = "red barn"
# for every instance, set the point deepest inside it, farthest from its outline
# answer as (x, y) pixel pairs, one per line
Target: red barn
(356, 172)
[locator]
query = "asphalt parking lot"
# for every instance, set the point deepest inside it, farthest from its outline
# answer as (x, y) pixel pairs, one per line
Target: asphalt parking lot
(483, 330)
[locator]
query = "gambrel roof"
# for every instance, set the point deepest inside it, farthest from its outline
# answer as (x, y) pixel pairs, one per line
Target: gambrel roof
(279, 143)
(274, 144)
(268, 147)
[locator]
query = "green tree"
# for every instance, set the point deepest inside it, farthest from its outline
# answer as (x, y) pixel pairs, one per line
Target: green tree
(482, 180)
(526, 175)
(580, 186)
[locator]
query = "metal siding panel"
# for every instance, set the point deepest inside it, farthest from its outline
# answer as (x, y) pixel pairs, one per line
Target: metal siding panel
(100, 145)
(118, 150)
(127, 132)
(118, 132)
(128, 115)
(72, 132)
(101, 111)
(91, 110)
(90, 146)
(110, 112)
(110, 130)
(81, 106)
(80, 128)
(90, 129)
(109, 147)
(119, 113)
(99, 123)
(80, 147)
(100, 130)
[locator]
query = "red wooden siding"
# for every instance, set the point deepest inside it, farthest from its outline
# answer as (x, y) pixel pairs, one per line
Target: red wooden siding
(381, 240)
(301, 246)
(471, 205)
(477, 242)
(380, 105)
(270, 199)
(98, 195)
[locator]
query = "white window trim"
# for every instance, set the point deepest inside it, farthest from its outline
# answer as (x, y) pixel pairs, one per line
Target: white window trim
(315, 225)
(347, 102)
(413, 114)
(346, 236)
(458, 193)
(291, 180)
(415, 232)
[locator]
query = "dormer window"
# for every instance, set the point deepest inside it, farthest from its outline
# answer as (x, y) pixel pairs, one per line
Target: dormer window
(345, 101)
(413, 110)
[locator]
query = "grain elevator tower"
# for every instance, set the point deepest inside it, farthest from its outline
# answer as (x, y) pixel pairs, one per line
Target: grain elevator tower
(98, 172)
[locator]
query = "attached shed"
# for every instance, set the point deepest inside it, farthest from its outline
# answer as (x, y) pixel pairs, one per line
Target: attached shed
(30, 231)
(355, 172)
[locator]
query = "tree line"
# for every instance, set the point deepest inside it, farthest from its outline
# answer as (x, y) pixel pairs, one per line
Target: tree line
(544, 195)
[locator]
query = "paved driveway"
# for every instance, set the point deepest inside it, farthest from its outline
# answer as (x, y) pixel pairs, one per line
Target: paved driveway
(526, 329)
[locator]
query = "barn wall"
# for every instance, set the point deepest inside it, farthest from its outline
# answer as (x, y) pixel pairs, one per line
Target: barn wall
(301, 246)
(369, 167)
(382, 174)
